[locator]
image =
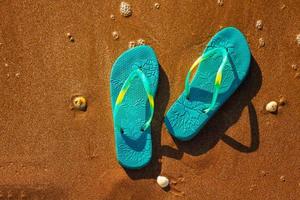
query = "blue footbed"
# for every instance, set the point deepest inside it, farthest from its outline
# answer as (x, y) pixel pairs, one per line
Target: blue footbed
(133, 147)
(185, 118)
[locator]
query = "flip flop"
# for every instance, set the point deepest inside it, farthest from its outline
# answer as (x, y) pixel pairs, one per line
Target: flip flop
(133, 84)
(221, 69)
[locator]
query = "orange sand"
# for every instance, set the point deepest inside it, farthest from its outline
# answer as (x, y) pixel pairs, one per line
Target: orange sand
(49, 151)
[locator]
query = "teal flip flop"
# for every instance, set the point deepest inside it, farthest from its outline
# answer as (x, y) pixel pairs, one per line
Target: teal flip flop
(221, 69)
(133, 84)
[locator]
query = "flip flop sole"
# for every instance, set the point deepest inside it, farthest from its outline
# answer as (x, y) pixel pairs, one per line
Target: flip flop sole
(133, 147)
(185, 118)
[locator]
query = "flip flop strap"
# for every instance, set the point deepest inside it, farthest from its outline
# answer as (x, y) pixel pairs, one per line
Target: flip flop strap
(209, 54)
(124, 89)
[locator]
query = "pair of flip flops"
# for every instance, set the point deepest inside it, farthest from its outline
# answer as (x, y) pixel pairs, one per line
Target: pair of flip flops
(134, 79)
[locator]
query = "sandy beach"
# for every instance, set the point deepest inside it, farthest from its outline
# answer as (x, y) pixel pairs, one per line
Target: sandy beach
(52, 51)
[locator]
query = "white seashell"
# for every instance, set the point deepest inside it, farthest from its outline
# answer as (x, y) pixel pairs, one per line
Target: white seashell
(140, 41)
(261, 42)
(157, 5)
(272, 106)
(112, 17)
(220, 2)
(125, 9)
(115, 35)
(259, 24)
(162, 181)
(131, 44)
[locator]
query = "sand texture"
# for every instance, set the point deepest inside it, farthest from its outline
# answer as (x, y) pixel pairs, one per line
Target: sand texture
(51, 151)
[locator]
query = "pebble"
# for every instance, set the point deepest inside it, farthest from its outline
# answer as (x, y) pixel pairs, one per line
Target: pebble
(125, 9)
(297, 75)
(263, 173)
(112, 17)
(283, 7)
(140, 41)
(115, 35)
(298, 39)
(282, 178)
(272, 106)
(80, 103)
(6, 64)
(162, 181)
(220, 2)
(71, 38)
(294, 67)
(17, 74)
(131, 44)
(259, 24)
(157, 5)
(7, 75)
(261, 42)
(282, 101)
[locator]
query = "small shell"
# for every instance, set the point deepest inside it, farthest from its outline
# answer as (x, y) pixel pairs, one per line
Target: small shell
(112, 17)
(263, 173)
(80, 103)
(131, 44)
(282, 178)
(272, 106)
(259, 24)
(115, 35)
(283, 7)
(162, 181)
(71, 38)
(261, 42)
(140, 41)
(220, 2)
(157, 5)
(282, 101)
(125, 9)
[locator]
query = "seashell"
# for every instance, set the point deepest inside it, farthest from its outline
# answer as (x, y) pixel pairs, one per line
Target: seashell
(115, 35)
(131, 44)
(162, 181)
(220, 2)
(261, 42)
(259, 24)
(272, 106)
(140, 41)
(125, 9)
(282, 101)
(157, 5)
(80, 103)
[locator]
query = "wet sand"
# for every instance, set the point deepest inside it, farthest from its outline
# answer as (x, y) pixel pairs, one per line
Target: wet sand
(50, 151)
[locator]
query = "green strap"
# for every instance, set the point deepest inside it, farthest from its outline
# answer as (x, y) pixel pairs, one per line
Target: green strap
(124, 89)
(209, 54)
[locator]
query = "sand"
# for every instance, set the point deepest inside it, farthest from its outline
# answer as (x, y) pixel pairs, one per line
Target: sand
(50, 151)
